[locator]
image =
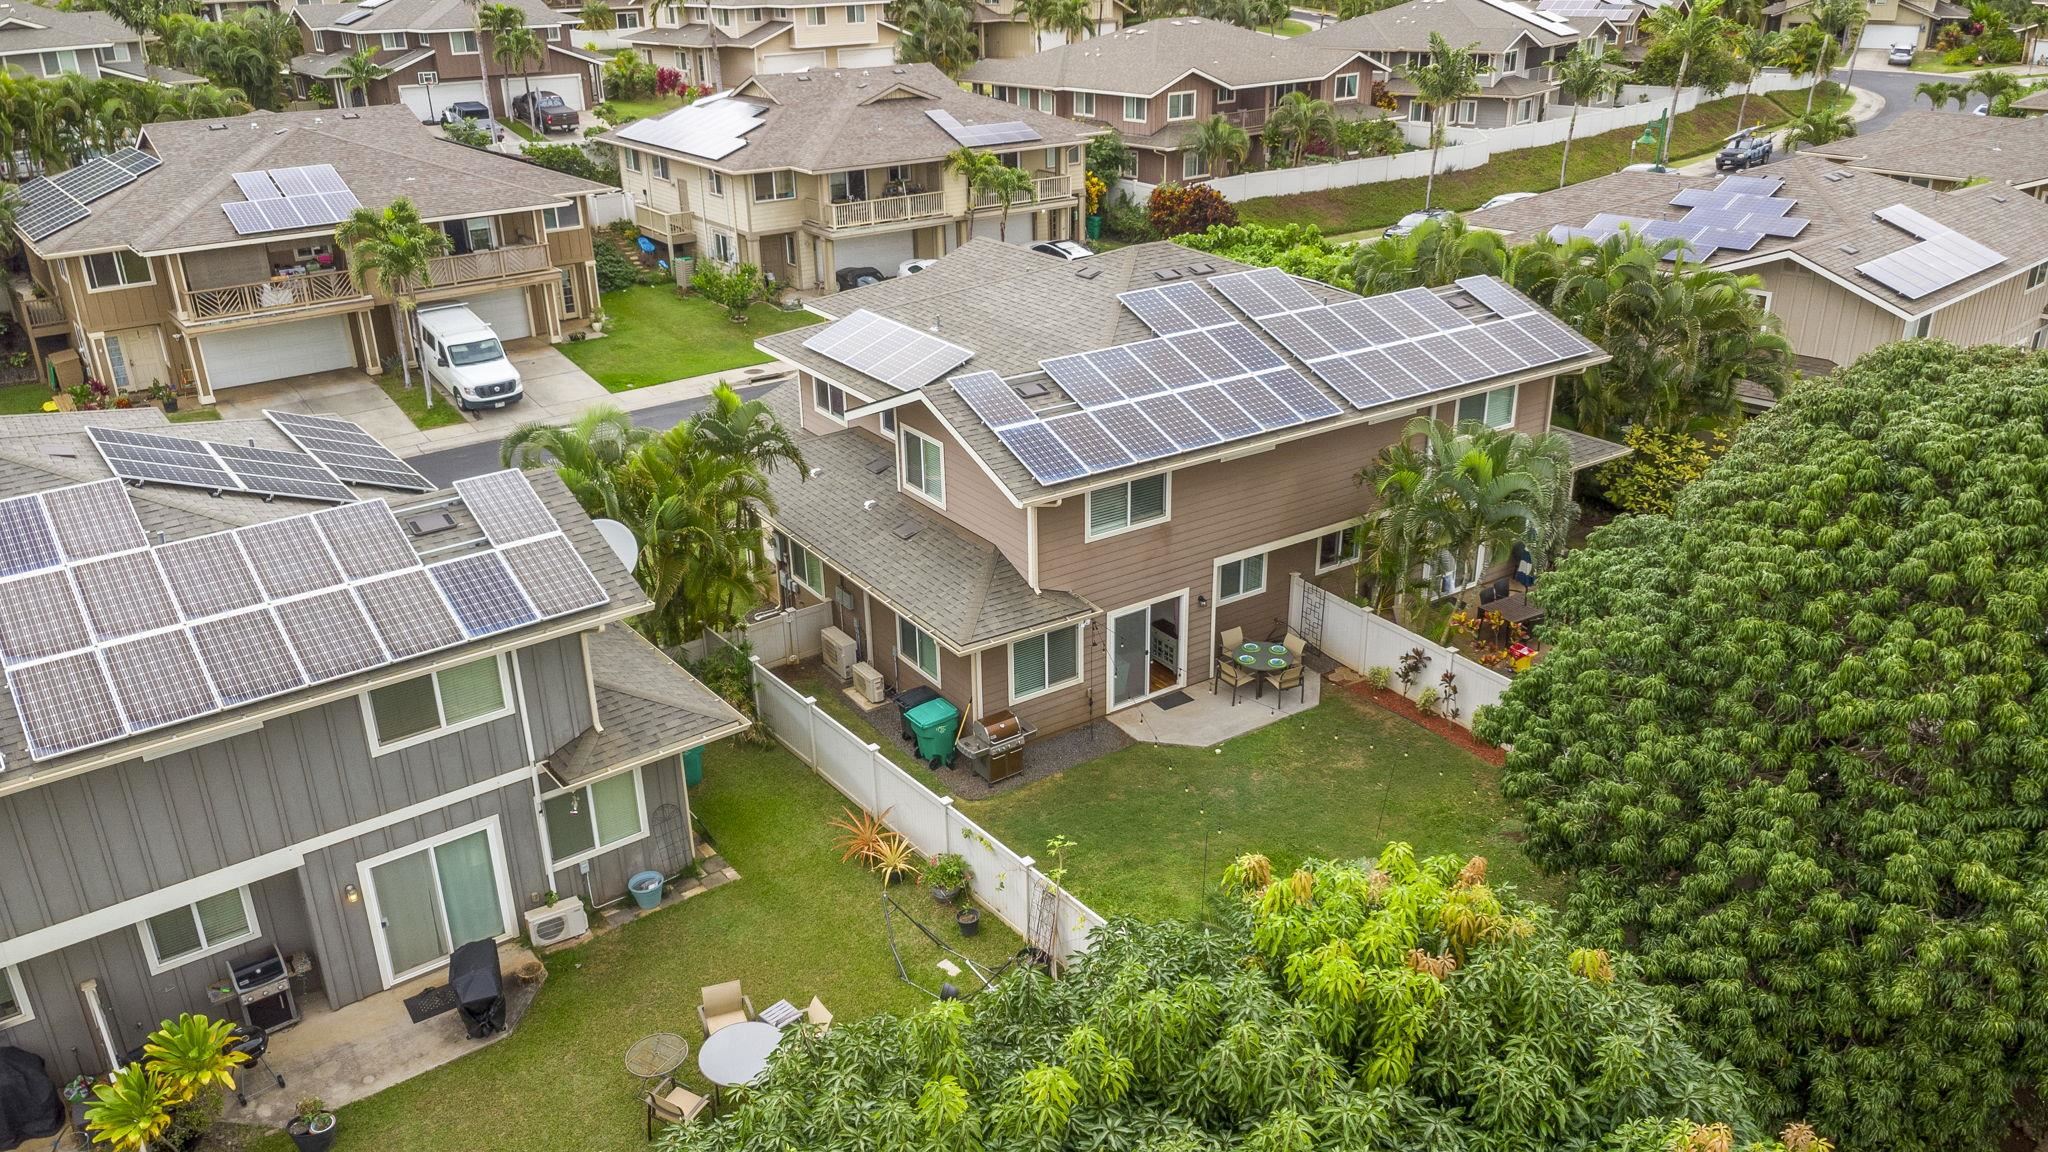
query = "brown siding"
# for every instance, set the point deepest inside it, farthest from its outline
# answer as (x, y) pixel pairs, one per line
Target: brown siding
(972, 500)
(1049, 712)
(122, 307)
(572, 246)
(1264, 616)
(1823, 318)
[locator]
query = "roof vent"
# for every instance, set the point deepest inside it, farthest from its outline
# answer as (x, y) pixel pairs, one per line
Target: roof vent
(351, 115)
(1200, 269)
(879, 465)
(803, 78)
(216, 127)
(1088, 273)
(1850, 249)
(1997, 197)
(899, 71)
(1165, 274)
(428, 523)
(908, 528)
(1033, 389)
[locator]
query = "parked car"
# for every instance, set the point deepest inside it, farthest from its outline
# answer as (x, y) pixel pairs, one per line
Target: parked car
(1743, 150)
(544, 109)
(1901, 56)
(858, 277)
(1414, 220)
(913, 267)
(462, 354)
(1062, 249)
(476, 113)
(1505, 198)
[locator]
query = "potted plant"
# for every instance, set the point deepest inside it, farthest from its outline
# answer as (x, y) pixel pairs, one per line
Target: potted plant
(896, 859)
(947, 874)
(968, 918)
(313, 1129)
(161, 393)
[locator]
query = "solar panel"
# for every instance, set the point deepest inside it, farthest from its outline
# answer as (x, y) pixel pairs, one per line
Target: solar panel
(209, 576)
(291, 181)
(1433, 308)
(1080, 379)
(1199, 306)
(1503, 300)
(1341, 337)
(93, 179)
(1297, 337)
(1043, 453)
(1245, 348)
(1206, 355)
(995, 402)
(279, 215)
(125, 594)
(145, 458)
(554, 576)
(26, 542)
(1260, 403)
(899, 356)
(1497, 357)
(1511, 336)
(325, 178)
(247, 657)
(1157, 312)
(1560, 341)
(134, 161)
(1433, 376)
(65, 704)
(288, 556)
(256, 186)
(982, 135)
(1943, 257)
(1298, 394)
(1166, 365)
(40, 617)
(1178, 421)
(410, 614)
(506, 507)
(1405, 321)
(330, 634)
(1243, 290)
(1134, 433)
(1120, 366)
(1752, 185)
(46, 209)
(1453, 356)
(93, 519)
(267, 472)
(157, 680)
(486, 598)
(1083, 436)
(245, 217)
(366, 539)
(348, 451)
(1387, 375)
(317, 209)
(1220, 412)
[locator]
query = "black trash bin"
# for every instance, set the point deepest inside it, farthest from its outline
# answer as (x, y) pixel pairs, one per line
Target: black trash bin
(479, 987)
(29, 1107)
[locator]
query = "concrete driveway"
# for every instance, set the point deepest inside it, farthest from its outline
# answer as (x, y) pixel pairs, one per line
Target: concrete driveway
(346, 392)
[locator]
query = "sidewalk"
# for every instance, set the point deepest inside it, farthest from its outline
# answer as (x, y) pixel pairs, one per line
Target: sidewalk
(1864, 106)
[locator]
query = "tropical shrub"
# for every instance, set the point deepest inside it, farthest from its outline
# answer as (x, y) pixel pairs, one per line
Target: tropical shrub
(173, 1094)
(1296, 248)
(1176, 209)
(1125, 219)
(467, 132)
(1376, 1004)
(615, 270)
(628, 76)
(1379, 137)
(574, 159)
(1787, 746)
(668, 81)
(732, 289)
(1096, 191)
(1663, 463)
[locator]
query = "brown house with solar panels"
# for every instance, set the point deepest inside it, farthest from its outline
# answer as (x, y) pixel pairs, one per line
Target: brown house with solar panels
(285, 727)
(204, 256)
(1050, 488)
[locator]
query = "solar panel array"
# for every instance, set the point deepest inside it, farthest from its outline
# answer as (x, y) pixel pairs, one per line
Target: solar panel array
(1584, 8)
(983, 135)
(50, 204)
(104, 636)
(1736, 214)
(280, 199)
(896, 354)
(348, 451)
(714, 127)
(148, 458)
(1943, 256)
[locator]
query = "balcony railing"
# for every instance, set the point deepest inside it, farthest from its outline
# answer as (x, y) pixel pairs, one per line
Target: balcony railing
(36, 311)
(332, 286)
(658, 223)
(491, 264)
(1249, 119)
(884, 210)
(1043, 188)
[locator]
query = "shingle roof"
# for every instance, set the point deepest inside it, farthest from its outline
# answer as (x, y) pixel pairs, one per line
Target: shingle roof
(957, 587)
(683, 36)
(33, 28)
(850, 118)
(422, 16)
(648, 708)
(1590, 450)
(1950, 146)
(151, 73)
(382, 153)
(1493, 25)
(1843, 232)
(1144, 59)
(2036, 102)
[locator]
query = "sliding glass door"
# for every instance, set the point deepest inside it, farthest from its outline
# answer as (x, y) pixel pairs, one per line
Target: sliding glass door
(427, 900)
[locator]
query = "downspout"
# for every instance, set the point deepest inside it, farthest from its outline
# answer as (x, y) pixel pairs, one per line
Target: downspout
(540, 824)
(589, 685)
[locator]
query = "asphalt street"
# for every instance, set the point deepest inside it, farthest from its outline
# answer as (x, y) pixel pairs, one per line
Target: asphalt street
(446, 467)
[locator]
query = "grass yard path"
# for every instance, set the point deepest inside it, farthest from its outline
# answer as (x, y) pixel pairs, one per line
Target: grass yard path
(653, 336)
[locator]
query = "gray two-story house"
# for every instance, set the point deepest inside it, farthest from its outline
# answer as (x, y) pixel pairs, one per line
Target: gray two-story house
(348, 735)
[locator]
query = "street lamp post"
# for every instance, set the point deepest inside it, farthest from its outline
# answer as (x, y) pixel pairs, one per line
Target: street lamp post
(1654, 135)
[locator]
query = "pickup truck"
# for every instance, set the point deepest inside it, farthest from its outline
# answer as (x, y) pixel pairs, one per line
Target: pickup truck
(546, 111)
(1743, 151)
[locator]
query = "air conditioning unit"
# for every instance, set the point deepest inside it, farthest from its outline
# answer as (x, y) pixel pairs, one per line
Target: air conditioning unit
(838, 652)
(562, 920)
(867, 682)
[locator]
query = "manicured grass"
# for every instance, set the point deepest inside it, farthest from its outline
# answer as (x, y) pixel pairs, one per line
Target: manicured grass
(1287, 28)
(193, 415)
(524, 131)
(798, 923)
(1362, 206)
(810, 680)
(1153, 825)
(653, 336)
(1793, 104)
(16, 399)
(413, 402)
(638, 109)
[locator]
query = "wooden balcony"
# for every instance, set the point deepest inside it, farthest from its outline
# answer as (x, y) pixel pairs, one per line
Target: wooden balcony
(40, 315)
(1055, 187)
(883, 210)
(283, 294)
(494, 264)
(673, 227)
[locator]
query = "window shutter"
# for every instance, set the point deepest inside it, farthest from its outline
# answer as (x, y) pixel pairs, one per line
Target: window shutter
(1027, 666)
(470, 690)
(1148, 498)
(1107, 508)
(1062, 655)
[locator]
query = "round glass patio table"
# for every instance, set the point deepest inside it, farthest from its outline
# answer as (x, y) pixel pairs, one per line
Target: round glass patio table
(652, 1057)
(738, 1053)
(1263, 657)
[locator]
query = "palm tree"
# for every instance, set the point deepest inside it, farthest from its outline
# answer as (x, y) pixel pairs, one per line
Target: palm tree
(395, 250)
(1007, 184)
(1940, 92)
(357, 73)
(586, 454)
(1697, 32)
(1590, 72)
(1297, 122)
(1844, 21)
(936, 32)
(1808, 51)
(597, 16)
(1073, 18)
(1822, 127)
(1221, 144)
(492, 21)
(1436, 253)
(512, 49)
(1995, 85)
(979, 169)
(1755, 48)
(1451, 75)
(748, 429)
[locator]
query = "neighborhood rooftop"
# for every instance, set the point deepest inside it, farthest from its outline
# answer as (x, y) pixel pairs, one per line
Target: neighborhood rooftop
(1488, 25)
(1143, 59)
(1950, 146)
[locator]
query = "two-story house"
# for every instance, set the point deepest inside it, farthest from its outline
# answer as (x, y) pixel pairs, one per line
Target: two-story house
(1946, 150)
(432, 55)
(1888, 23)
(1514, 46)
(1849, 260)
(350, 736)
(1154, 82)
(1615, 23)
(1004, 28)
(46, 42)
(806, 174)
(722, 43)
(205, 255)
(1050, 488)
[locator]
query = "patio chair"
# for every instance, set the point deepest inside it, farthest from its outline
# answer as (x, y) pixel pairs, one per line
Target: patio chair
(724, 1005)
(819, 1015)
(671, 1103)
(1295, 646)
(1229, 671)
(1233, 639)
(1287, 678)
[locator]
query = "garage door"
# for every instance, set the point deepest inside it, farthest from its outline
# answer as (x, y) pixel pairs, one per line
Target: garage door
(254, 355)
(505, 312)
(427, 101)
(866, 57)
(1890, 35)
(792, 61)
(884, 252)
(568, 87)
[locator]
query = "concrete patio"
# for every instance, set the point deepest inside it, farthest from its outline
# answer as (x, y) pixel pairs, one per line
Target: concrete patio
(1211, 718)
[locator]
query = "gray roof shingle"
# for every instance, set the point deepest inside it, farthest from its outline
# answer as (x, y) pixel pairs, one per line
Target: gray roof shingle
(1144, 59)
(33, 28)
(648, 707)
(422, 16)
(1950, 146)
(1492, 25)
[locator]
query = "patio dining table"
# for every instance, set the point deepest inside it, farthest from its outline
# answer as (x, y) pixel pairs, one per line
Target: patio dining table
(1266, 658)
(737, 1054)
(1514, 611)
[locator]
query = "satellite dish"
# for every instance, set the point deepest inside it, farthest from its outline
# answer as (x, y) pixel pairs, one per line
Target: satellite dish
(621, 539)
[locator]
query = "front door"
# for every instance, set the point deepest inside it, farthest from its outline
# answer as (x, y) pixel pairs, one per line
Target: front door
(425, 902)
(135, 360)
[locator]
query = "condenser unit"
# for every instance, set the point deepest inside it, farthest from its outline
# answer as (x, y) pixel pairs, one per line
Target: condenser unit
(839, 654)
(562, 920)
(867, 682)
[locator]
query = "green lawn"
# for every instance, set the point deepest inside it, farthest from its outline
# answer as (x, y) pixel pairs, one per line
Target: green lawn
(195, 415)
(413, 401)
(16, 399)
(1364, 206)
(1287, 28)
(1153, 825)
(653, 336)
(524, 131)
(639, 109)
(798, 923)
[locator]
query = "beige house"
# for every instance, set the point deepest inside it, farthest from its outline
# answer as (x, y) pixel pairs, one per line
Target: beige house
(1837, 285)
(178, 275)
(1154, 82)
(810, 173)
(722, 45)
(1028, 499)
(1889, 23)
(1005, 32)
(1515, 47)
(1945, 150)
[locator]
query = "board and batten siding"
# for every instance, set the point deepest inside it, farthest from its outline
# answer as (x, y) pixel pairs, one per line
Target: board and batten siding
(972, 499)
(1048, 712)
(2005, 313)
(1824, 319)
(661, 783)
(115, 308)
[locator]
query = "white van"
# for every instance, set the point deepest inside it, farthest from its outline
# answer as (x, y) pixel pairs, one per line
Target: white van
(461, 352)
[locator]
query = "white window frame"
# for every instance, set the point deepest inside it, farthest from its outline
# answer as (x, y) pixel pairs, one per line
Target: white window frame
(628, 20)
(1044, 642)
(555, 33)
(456, 41)
(1514, 392)
(1511, 60)
(714, 182)
(1090, 535)
(60, 56)
(1418, 112)
(632, 159)
(724, 248)
(378, 748)
(657, 166)
(1242, 592)
(590, 813)
(1193, 164)
(1919, 327)
(494, 837)
(723, 16)
(856, 13)
(2039, 340)
(1350, 556)
(814, 17)
(800, 571)
(384, 41)
(1226, 95)
(888, 421)
(911, 439)
(435, 78)
(1045, 101)
(1468, 112)
(2037, 276)
(114, 54)
(1084, 104)
(923, 637)
(823, 392)
(1525, 109)
(158, 965)
(1345, 87)
(1173, 98)
(92, 283)
(775, 190)
(551, 217)
(23, 1012)
(1143, 107)
(568, 292)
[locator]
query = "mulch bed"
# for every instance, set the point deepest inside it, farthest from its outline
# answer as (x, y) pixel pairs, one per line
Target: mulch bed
(1450, 730)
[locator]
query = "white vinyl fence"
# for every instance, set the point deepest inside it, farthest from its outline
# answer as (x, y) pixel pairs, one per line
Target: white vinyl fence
(609, 207)
(780, 639)
(1360, 638)
(1003, 882)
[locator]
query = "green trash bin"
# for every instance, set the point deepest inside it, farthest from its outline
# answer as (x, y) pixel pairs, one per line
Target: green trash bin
(934, 723)
(693, 766)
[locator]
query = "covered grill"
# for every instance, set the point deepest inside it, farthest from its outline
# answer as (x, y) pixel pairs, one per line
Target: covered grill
(29, 1108)
(479, 987)
(996, 746)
